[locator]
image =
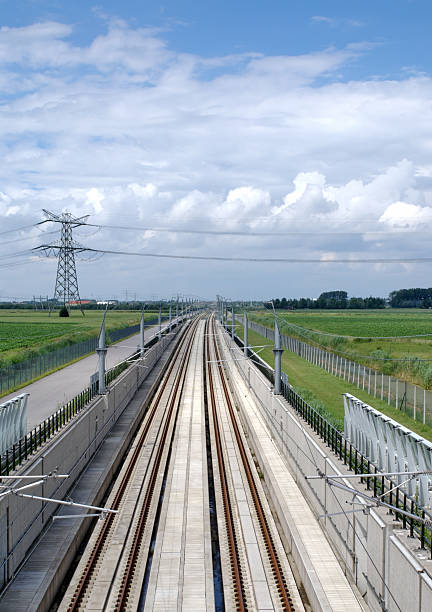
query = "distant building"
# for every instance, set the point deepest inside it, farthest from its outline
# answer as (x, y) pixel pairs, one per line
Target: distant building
(79, 302)
(105, 302)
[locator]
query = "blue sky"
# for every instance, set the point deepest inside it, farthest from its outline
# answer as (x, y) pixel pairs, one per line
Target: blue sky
(248, 116)
(397, 27)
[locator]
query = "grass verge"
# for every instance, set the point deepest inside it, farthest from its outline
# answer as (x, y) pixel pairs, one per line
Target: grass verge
(326, 388)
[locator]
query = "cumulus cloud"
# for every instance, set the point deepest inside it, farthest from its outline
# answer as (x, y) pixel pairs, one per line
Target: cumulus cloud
(95, 198)
(405, 215)
(128, 130)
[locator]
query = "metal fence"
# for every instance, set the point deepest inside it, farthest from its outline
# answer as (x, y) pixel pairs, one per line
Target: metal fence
(29, 443)
(354, 459)
(415, 401)
(17, 374)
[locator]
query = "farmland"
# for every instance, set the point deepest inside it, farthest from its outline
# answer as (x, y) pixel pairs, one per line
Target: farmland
(324, 391)
(373, 338)
(25, 333)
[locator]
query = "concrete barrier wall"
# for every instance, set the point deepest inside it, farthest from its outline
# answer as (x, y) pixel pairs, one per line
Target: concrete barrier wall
(386, 565)
(22, 520)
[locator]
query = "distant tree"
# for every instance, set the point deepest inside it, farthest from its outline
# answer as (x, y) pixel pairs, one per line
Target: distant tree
(333, 299)
(356, 302)
(374, 302)
(411, 298)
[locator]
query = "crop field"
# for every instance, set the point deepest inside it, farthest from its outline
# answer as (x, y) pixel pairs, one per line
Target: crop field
(324, 391)
(360, 324)
(392, 341)
(24, 332)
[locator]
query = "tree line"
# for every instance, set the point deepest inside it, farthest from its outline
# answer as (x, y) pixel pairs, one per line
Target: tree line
(331, 300)
(411, 298)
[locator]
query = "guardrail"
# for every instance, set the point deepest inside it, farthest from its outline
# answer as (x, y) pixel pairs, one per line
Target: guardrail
(352, 457)
(39, 435)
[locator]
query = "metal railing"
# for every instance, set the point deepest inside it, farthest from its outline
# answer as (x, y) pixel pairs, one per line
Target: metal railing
(353, 458)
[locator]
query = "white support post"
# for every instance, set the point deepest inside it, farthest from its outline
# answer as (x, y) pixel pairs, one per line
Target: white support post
(277, 351)
(245, 335)
(101, 352)
(232, 322)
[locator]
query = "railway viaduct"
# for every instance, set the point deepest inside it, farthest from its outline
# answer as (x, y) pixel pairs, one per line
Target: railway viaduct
(187, 485)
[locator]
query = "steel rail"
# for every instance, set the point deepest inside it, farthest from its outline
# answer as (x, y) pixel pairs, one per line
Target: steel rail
(277, 571)
(133, 555)
(108, 522)
(238, 583)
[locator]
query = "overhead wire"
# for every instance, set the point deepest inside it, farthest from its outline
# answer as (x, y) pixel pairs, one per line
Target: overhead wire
(246, 259)
(28, 238)
(246, 233)
(23, 227)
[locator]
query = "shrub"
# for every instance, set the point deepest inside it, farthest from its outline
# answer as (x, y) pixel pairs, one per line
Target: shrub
(64, 312)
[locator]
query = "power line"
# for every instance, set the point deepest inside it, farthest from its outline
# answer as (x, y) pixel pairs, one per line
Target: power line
(28, 238)
(26, 252)
(18, 229)
(375, 260)
(173, 230)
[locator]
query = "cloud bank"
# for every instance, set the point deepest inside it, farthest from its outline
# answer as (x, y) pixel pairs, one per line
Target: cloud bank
(131, 131)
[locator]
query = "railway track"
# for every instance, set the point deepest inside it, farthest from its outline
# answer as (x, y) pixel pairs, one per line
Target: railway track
(157, 552)
(97, 575)
(247, 569)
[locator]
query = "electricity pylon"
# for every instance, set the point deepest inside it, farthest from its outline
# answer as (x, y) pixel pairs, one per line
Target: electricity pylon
(66, 287)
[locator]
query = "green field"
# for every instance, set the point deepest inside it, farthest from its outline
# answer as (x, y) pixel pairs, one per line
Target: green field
(324, 391)
(360, 335)
(361, 323)
(24, 333)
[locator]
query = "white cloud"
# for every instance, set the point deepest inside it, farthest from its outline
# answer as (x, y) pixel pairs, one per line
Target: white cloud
(332, 21)
(323, 19)
(130, 130)
(95, 198)
(405, 215)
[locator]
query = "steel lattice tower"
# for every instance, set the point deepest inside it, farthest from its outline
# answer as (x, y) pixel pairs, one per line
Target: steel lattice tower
(66, 287)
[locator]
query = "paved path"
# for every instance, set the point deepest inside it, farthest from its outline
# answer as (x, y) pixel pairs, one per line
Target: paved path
(51, 392)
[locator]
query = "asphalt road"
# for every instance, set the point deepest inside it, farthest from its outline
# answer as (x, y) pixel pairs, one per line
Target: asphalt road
(51, 392)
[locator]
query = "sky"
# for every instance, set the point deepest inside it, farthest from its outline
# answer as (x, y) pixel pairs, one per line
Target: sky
(307, 125)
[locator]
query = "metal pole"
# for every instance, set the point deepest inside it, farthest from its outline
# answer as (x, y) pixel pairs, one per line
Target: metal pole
(245, 335)
(232, 322)
(277, 351)
(169, 327)
(159, 323)
(142, 334)
(101, 352)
